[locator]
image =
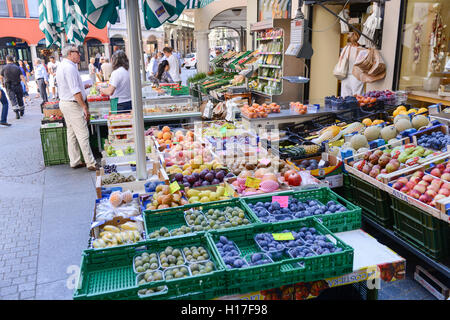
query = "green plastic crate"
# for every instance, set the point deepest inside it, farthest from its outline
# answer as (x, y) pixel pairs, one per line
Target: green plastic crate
(285, 270)
(423, 231)
(374, 202)
(54, 145)
(108, 274)
(179, 91)
(336, 222)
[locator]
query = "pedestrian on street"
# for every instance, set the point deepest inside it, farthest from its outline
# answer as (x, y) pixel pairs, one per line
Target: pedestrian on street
(92, 70)
(11, 76)
(52, 67)
(41, 76)
(174, 68)
(22, 68)
(106, 70)
(27, 70)
(163, 75)
(4, 101)
(119, 83)
(74, 108)
(99, 70)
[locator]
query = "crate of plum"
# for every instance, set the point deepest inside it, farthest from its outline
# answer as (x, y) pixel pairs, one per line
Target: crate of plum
(436, 138)
(271, 255)
(202, 179)
(167, 269)
(336, 213)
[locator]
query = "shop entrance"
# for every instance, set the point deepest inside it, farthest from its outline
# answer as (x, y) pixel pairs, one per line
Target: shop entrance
(117, 43)
(94, 46)
(15, 47)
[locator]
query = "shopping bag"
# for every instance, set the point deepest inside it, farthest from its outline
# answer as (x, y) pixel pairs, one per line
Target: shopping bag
(341, 68)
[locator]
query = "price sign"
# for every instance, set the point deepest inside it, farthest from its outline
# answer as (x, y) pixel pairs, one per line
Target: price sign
(282, 200)
(174, 187)
(119, 153)
(252, 182)
(283, 236)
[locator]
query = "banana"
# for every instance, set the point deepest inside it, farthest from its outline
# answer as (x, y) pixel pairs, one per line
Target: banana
(118, 237)
(114, 242)
(129, 226)
(131, 235)
(112, 229)
(99, 243)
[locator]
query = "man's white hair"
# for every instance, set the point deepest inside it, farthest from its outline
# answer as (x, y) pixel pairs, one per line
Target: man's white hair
(67, 48)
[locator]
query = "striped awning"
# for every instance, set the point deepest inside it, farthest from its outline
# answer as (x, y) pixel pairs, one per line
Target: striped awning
(197, 4)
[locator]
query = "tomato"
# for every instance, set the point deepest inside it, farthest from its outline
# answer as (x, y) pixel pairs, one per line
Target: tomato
(294, 179)
(288, 173)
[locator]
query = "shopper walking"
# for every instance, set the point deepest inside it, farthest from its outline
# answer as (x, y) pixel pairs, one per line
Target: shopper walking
(163, 74)
(4, 101)
(11, 76)
(106, 70)
(41, 76)
(174, 68)
(119, 83)
(92, 70)
(52, 67)
(27, 70)
(75, 109)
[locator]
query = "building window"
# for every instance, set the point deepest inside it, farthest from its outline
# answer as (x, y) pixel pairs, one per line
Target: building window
(4, 8)
(33, 8)
(18, 8)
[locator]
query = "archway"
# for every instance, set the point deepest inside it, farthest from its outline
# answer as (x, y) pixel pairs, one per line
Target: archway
(117, 42)
(152, 44)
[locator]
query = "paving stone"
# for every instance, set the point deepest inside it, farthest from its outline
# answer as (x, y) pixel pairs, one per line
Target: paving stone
(27, 286)
(10, 297)
(27, 294)
(8, 290)
(5, 283)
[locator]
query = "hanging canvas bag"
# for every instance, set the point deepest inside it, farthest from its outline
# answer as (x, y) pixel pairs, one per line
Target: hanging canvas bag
(341, 68)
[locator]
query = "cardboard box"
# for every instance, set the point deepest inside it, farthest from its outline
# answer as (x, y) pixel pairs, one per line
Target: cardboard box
(120, 131)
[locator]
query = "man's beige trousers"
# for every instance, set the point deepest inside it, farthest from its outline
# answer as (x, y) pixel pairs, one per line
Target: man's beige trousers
(77, 133)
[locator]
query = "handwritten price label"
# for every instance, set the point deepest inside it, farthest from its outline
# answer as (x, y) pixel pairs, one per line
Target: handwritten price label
(282, 200)
(283, 236)
(174, 187)
(252, 182)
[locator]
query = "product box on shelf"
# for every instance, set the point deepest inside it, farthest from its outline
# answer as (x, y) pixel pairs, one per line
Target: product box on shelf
(120, 120)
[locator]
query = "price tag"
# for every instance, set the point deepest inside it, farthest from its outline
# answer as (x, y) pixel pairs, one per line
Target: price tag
(174, 187)
(119, 153)
(283, 236)
(264, 161)
(252, 182)
(282, 200)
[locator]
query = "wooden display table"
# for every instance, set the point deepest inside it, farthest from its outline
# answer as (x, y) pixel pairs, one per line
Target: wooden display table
(428, 97)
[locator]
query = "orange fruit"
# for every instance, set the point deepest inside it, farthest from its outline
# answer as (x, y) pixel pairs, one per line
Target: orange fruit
(160, 135)
(167, 136)
(166, 129)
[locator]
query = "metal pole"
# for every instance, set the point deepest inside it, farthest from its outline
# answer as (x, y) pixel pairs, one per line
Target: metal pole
(141, 49)
(136, 86)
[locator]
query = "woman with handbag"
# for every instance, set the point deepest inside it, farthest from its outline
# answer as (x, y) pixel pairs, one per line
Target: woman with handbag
(351, 85)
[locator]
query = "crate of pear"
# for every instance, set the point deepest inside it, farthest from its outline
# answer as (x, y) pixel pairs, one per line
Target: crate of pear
(196, 254)
(201, 267)
(206, 194)
(145, 261)
(177, 272)
(147, 277)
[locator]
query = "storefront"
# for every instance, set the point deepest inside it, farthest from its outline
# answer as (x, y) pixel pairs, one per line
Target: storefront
(94, 47)
(15, 47)
(117, 44)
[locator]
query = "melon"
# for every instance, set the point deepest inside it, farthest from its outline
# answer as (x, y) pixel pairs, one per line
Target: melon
(420, 121)
(358, 141)
(401, 116)
(372, 133)
(388, 133)
(402, 125)
(334, 151)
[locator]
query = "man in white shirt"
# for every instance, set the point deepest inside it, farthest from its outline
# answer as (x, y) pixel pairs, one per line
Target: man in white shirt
(73, 105)
(106, 69)
(174, 68)
(52, 66)
(41, 77)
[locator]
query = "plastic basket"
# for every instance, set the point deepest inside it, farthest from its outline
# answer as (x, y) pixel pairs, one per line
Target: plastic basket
(423, 231)
(336, 222)
(375, 203)
(108, 274)
(284, 270)
(54, 145)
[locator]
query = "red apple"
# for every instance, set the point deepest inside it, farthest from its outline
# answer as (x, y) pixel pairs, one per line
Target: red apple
(410, 185)
(444, 192)
(294, 179)
(437, 182)
(445, 176)
(405, 189)
(403, 180)
(427, 178)
(436, 172)
(446, 186)
(398, 185)
(424, 183)
(431, 193)
(447, 170)
(433, 187)
(416, 180)
(420, 188)
(441, 167)
(418, 174)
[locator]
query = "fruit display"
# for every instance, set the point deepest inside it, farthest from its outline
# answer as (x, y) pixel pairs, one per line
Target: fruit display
(202, 267)
(195, 218)
(111, 236)
(150, 186)
(150, 276)
(163, 232)
(441, 171)
(435, 140)
(110, 151)
(115, 178)
(176, 273)
(196, 254)
(194, 166)
(171, 257)
(269, 182)
(163, 199)
(204, 178)
(230, 254)
(260, 111)
(331, 133)
(298, 107)
(256, 259)
(402, 110)
(110, 168)
(116, 206)
(195, 155)
(423, 187)
(203, 196)
(166, 136)
(272, 211)
(366, 101)
(385, 96)
(145, 261)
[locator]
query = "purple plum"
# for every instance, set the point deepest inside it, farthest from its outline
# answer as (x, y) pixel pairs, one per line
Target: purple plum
(209, 176)
(186, 184)
(206, 183)
(197, 184)
(179, 177)
(215, 181)
(191, 179)
(220, 175)
(204, 173)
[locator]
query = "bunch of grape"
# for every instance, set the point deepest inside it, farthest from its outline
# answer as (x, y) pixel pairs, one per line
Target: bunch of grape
(110, 168)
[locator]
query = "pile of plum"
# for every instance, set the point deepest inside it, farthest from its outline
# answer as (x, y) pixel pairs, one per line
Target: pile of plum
(272, 211)
(435, 140)
(230, 253)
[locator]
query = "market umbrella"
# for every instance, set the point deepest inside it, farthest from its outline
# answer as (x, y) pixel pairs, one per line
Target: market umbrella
(57, 17)
(100, 12)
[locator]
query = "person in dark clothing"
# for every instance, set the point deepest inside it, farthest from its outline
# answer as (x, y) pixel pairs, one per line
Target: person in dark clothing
(11, 76)
(4, 101)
